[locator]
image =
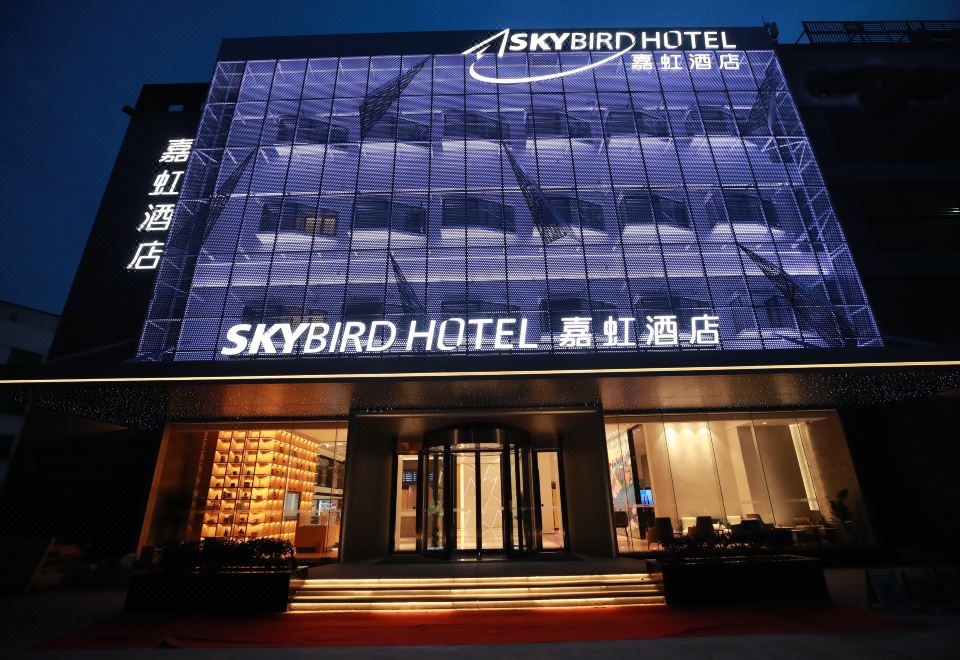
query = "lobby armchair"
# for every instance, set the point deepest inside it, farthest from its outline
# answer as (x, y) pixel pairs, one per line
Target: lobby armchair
(703, 529)
(661, 531)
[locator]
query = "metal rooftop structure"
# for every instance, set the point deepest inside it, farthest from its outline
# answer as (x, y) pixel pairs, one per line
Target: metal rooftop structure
(883, 32)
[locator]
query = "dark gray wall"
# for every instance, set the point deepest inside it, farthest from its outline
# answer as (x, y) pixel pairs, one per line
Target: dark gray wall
(367, 506)
(587, 489)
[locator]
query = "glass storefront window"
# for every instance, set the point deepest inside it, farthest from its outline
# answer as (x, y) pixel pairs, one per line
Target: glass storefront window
(249, 481)
(739, 469)
(696, 487)
(669, 472)
(793, 496)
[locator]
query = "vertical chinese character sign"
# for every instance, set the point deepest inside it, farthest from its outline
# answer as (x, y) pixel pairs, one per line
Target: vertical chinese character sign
(159, 211)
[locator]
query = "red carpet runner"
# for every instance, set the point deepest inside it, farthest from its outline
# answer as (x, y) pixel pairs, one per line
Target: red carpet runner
(463, 627)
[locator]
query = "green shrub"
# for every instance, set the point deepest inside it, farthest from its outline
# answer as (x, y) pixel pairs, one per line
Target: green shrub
(726, 544)
(219, 554)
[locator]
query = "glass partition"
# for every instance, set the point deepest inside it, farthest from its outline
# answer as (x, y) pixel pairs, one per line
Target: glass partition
(433, 482)
(551, 507)
(405, 523)
(673, 474)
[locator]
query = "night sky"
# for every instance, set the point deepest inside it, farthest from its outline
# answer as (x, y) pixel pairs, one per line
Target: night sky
(68, 68)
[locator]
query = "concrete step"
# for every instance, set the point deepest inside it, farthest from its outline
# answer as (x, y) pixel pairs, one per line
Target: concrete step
(473, 594)
(616, 601)
(501, 581)
(515, 592)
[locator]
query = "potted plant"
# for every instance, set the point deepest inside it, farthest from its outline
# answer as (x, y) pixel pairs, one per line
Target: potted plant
(842, 516)
(215, 574)
(435, 511)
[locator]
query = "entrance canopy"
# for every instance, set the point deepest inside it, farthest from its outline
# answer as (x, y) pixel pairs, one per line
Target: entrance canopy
(145, 396)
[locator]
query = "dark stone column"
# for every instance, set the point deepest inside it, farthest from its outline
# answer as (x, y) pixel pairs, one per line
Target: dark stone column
(587, 489)
(367, 500)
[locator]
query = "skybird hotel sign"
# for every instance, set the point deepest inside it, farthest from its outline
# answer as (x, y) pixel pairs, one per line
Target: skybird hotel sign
(458, 333)
(617, 43)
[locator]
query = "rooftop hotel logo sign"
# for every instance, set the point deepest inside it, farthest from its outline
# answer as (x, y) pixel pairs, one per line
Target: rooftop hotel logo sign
(617, 43)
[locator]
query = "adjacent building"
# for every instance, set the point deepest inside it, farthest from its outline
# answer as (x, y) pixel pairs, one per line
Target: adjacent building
(25, 336)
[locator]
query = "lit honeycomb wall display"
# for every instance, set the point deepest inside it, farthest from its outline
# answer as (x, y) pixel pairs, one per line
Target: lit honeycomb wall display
(261, 482)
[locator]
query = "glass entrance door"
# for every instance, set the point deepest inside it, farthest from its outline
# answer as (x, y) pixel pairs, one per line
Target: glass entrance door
(477, 496)
(478, 504)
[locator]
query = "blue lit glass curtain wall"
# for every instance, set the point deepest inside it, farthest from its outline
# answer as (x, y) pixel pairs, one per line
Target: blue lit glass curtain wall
(398, 188)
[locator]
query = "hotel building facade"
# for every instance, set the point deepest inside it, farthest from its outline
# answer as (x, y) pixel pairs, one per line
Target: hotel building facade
(475, 295)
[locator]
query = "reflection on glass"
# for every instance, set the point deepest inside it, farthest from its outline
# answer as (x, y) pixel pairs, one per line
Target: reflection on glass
(622, 489)
(524, 538)
(433, 506)
(516, 528)
(491, 502)
(793, 496)
(465, 501)
(551, 513)
(405, 524)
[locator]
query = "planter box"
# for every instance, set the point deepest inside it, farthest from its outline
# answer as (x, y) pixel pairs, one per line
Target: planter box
(763, 578)
(208, 592)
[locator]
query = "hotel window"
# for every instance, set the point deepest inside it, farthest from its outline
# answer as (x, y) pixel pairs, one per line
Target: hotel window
(401, 129)
(363, 309)
(647, 208)
(741, 207)
(670, 472)
(578, 212)
(717, 120)
(620, 122)
(291, 216)
(309, 130)
(381, 212)
(460, 211)
(555, 123)
(644, 123)
(248, 481)
(280, 313)
(776, 313)
(652, 123)
(459, 126)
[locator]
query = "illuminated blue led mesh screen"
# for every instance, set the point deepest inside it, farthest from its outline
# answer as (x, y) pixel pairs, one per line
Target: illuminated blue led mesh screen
(400, 189)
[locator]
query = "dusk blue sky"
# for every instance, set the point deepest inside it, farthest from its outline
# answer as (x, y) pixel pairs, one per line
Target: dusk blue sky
(68, 68)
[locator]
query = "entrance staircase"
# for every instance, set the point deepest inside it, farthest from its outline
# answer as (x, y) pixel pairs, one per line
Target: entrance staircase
(477, 593)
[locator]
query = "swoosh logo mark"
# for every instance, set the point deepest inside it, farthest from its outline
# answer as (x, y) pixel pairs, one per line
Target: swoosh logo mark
(476, 75)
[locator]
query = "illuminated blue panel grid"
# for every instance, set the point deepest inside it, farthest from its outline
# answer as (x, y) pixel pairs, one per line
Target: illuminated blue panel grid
(399, 188)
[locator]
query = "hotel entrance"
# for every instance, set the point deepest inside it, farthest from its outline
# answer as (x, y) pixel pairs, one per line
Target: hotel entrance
(478, 493)
(477, 496)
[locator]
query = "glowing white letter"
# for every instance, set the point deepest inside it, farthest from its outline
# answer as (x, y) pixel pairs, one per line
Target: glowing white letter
(235, 335)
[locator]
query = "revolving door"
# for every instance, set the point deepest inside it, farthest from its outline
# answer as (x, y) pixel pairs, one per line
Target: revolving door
(477, 498)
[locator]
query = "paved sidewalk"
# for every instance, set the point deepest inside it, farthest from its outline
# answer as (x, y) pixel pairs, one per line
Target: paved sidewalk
(28, 620)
